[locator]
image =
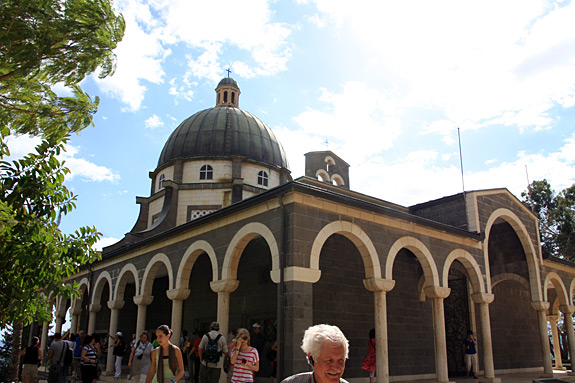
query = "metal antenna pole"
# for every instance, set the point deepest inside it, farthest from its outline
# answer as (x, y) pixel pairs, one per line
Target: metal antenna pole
(461, 161)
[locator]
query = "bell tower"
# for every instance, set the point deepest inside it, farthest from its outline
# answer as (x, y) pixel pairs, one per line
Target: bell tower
(228, 92)
(326, 166)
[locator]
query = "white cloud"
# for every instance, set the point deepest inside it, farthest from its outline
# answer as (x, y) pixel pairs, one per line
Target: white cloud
(154, 122)
(104, 242)
(481, 63)
(153, 26)
(22, 145)
(84, 169)
(349, 117)
(140, 56)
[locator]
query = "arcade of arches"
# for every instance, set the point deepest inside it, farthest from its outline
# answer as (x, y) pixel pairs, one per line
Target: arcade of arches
(309, 252)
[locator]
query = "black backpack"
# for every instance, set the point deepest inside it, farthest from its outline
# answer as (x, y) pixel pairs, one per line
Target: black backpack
(211, 353)
(68, 355)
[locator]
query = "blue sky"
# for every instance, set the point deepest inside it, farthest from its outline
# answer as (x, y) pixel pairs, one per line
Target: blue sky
(387, 84)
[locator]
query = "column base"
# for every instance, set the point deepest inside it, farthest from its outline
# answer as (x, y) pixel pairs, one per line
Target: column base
(489, 380)
(546, 375)
(560, 368)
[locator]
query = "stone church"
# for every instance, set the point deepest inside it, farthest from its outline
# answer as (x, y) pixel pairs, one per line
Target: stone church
(228, 234)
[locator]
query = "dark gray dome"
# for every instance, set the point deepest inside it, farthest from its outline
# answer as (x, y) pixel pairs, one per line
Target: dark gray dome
(224, 132)
(228, 81)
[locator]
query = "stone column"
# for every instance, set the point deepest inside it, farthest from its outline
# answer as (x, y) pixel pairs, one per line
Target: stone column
(115, 307)
(142, 301)
(44, 339)
(75, 312)
(380, 287)
(437, 295)
(541, 308)
(94, 308)
(567, 311)
(178, 296)
(224, 287)
(556, 342)
(483, 300)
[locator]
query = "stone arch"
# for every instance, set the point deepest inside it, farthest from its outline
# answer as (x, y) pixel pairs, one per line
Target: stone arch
(322, 175)
(423, 256)
(122, 281)
(99, 286)
(189, 259)
(150, 274)
(572, 291)
(470, 264)
(239, 243)
(528, 248)
(338, 180)
(554, 279)
(357, 236)
(329, 160)
(509, 277)
(83, 285)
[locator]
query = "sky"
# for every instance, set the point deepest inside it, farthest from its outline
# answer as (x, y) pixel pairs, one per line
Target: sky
(383, 84)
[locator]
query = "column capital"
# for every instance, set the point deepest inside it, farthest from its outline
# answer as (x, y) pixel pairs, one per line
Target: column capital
(567, 309)
(94, 307)
(553, 318)
(540, 305)
(143, 300)
(224, 285)
(178, 294)
(437, 292)
(482, 298)
(116, 304)
(76, 309)
(378, 284)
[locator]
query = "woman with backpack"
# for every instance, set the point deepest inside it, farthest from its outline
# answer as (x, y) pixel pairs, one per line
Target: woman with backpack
(141, 358)
(245, 359)
(167, 363)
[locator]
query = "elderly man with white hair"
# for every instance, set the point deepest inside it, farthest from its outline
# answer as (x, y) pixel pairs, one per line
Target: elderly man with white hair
(326, 349)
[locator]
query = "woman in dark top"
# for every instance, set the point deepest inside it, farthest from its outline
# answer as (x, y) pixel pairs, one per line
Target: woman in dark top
(89, 359)
(32, 358)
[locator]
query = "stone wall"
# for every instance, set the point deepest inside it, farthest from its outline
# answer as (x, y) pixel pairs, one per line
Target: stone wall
(340, 298)
(450, 211)
(514, 328)
(410, 322)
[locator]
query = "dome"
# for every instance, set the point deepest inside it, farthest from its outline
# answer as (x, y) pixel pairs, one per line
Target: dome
(224, 131)
(228, 81)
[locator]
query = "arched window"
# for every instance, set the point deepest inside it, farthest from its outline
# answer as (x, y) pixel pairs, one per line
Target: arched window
(233, 97)
(161, 181)
(263, 178)
(226, 96)
(206, 172)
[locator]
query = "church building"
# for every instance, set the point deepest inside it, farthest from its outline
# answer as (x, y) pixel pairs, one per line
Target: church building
(228, 234)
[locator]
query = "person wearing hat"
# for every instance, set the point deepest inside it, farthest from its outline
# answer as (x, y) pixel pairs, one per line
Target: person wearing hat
(212, 361)
(257, 339)
(119, 348)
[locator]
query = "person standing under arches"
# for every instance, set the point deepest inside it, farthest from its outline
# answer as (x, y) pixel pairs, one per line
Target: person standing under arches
(369, 363)
(471, 360)
(244, 358)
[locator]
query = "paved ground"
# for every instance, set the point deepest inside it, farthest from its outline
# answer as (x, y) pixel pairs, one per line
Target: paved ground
(505, 378)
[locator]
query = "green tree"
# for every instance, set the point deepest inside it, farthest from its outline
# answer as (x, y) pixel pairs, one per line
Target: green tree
(47, 42)
(556, 214)
(44, 43)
